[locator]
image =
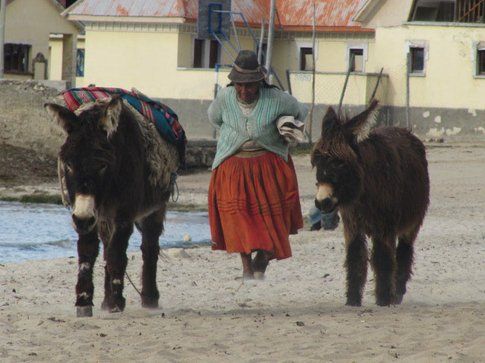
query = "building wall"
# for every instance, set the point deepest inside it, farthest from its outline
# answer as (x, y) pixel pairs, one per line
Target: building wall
(31, 22)
(331, 53)
(449, 80)
(55, 59)
(158, 61)
(389, 13)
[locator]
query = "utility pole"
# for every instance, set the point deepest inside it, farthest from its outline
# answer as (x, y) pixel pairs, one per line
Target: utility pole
(3, 17)
(269, 51)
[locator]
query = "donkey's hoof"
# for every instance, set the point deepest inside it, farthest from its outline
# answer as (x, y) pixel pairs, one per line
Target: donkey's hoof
(398, 299)
(258, 275)
(116, 309)
(149, 304)
(353, 303)
(105, 305)
(84, 311)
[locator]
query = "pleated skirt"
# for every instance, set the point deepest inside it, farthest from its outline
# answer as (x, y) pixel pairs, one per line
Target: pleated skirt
(254, 204)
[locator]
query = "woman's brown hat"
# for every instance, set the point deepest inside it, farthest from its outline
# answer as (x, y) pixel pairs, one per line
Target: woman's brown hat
(246, 68)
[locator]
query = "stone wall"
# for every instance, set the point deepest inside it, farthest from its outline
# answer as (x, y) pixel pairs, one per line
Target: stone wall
(23, 119)
(25, 123)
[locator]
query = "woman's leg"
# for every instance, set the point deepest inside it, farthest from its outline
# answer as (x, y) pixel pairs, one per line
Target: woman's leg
(248, 272)
(260, 263)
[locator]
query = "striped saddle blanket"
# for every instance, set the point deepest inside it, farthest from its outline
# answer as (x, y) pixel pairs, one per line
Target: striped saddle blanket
(164, 118)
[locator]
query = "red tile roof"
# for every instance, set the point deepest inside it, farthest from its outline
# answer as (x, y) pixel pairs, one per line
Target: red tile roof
(297, 15)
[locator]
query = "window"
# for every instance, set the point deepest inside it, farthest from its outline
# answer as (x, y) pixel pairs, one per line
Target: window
(417, 59)
(356, 59)
(481, 61)
(306, 59)
(214, 53)
(207, 53)
(16, 58)
(80, 63)
(198, 53)
(433, 10)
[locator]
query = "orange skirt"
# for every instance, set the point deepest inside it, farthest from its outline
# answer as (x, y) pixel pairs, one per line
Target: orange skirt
(254, 205)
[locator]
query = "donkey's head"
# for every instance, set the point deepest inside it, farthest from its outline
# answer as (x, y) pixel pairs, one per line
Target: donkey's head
(88, 157)
(336, 157)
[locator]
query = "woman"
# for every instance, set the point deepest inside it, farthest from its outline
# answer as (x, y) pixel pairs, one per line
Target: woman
(253, 194)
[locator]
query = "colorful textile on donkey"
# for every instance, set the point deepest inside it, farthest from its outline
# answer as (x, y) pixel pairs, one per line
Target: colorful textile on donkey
(164, 118)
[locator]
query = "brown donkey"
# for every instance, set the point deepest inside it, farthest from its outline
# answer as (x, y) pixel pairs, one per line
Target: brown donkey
(117, 173)
(379, 182)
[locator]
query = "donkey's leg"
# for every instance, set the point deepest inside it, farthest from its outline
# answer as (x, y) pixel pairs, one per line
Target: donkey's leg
(404, 258)
(87, 249)
(116, 261)
(105, 234)
(356, 264)
(384, 264)
(151, 229)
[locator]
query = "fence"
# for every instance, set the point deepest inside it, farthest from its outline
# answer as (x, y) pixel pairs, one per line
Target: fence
(328, 91)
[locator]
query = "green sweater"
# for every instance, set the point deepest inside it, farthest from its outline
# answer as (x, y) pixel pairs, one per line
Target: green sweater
(260, 126)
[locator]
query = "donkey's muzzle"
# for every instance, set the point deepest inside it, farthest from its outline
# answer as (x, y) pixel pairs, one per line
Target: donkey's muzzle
(326, 205)
(83, 225)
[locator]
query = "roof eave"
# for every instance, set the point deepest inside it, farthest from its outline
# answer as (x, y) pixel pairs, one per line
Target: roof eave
(328, 29)
(126, 19)
(366, 11)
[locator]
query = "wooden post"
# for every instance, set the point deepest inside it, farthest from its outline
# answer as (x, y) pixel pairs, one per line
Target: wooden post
(3, 17)
(351, 61)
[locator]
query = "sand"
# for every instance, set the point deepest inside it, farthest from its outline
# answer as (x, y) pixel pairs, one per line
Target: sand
(208, 314)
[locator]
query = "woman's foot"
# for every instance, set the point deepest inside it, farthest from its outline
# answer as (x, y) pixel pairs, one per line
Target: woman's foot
(260, 263)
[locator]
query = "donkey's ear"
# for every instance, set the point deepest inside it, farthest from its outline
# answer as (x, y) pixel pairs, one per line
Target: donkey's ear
(111, 117)
(65, 118)
(360, 125)
(330, 120)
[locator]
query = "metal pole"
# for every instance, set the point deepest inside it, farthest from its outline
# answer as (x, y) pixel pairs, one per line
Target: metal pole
(408, 73)
(269, 51)
(261, 41)
(216, 90)
(310, 120)
(288, 80)
(3, 17)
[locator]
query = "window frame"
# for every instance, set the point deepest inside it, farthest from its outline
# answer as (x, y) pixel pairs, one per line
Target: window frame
(413, 50)
(479, 51)
(353, 49)
(25, 49)
(303, 55)
(209, 53)
(350, 48)
(418, 44)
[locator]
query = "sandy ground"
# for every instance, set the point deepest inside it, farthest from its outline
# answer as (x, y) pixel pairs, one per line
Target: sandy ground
(208, 314)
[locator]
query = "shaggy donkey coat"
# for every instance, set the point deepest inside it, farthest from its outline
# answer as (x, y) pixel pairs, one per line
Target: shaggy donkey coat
(116, 171)
(379, 182)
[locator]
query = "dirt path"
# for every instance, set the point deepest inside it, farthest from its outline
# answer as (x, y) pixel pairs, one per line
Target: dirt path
(296, 314)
